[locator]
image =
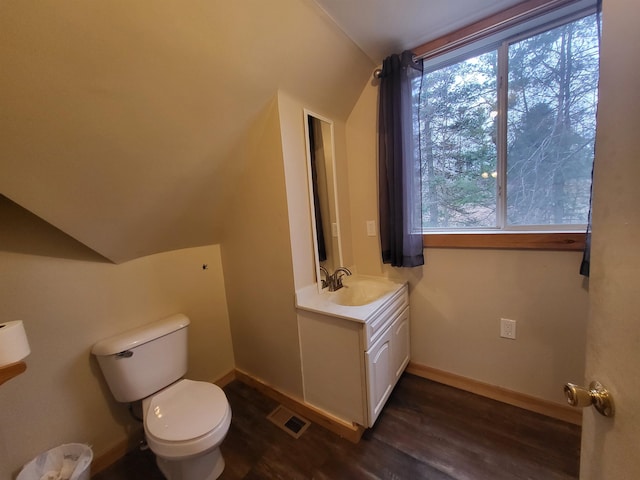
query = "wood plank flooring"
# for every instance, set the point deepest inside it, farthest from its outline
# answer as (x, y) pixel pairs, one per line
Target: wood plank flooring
(426, 431)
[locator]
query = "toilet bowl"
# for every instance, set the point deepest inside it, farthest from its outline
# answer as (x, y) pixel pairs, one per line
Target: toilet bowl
(185, 421)
(184, 425)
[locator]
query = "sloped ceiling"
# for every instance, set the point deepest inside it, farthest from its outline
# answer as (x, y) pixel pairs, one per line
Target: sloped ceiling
(119, 119)
(384, 27)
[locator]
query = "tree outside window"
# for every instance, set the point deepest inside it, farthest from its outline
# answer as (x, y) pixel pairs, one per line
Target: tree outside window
(543, 144)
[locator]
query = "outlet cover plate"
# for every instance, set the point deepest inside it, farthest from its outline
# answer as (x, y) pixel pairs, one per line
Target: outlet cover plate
(371, 228)
(508, 328)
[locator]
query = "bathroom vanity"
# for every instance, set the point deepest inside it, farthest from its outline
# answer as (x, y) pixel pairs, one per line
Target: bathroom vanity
(354, 345)
(354, 341)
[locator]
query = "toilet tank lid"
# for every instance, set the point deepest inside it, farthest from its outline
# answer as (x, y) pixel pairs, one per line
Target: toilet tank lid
(140, 335)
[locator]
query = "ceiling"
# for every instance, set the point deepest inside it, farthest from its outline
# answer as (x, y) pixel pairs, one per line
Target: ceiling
(383, 27)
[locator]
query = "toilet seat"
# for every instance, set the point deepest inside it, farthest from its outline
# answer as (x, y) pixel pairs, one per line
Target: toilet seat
(186, 418)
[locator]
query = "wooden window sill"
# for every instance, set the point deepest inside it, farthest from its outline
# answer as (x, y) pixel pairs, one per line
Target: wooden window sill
(573, 242)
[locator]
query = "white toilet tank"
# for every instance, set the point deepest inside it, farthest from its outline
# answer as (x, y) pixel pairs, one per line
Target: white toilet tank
(142, 361)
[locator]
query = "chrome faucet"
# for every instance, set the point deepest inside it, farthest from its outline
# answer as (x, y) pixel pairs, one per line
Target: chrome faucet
(334, 280)
(325, 280)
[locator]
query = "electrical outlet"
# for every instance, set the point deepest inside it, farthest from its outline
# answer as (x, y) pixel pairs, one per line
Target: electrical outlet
(508, 328)
(371, 228)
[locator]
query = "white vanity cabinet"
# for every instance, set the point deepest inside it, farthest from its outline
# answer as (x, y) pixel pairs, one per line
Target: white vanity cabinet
(350, 365)
(385, 361)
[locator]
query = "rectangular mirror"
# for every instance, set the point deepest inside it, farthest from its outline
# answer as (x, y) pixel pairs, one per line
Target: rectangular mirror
(323, 193)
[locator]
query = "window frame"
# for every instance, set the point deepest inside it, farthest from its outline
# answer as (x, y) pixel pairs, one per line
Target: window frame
(498, 32)
(507, 240)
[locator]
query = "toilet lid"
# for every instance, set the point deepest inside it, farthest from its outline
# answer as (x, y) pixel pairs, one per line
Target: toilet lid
(186, 410)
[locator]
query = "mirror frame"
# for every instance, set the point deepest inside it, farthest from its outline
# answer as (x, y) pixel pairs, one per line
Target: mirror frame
(314, 230)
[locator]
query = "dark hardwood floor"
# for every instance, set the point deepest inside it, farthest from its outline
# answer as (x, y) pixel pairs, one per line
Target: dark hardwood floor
(426, 431)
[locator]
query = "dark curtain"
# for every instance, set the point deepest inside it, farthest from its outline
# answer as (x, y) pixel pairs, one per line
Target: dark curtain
(399, 162)
(322, 248)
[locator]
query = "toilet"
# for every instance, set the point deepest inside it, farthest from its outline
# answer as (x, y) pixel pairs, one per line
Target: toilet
(185, 421)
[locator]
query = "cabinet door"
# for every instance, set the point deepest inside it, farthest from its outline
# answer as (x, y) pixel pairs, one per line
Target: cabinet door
(379, 375)
(400, 344)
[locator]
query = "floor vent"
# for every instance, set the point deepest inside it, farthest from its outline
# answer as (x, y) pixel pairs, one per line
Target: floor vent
(291, 423)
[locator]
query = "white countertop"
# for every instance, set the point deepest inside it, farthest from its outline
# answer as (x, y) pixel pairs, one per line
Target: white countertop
(308, 298)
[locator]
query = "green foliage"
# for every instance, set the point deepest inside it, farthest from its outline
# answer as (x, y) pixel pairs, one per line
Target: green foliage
(458, 143)
(552, 97)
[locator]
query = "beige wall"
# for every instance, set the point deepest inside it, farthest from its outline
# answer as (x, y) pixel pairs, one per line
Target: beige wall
(294, 157)
(267, 250)
(257, 259)
(459, 296)
(189, 119)
(135, 108)
(610, 446)
(68, 298)
(291, 113)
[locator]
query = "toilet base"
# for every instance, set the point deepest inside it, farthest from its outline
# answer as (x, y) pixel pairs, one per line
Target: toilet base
(208, 466)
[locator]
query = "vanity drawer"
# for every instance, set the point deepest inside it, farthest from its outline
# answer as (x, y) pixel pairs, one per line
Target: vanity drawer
(377, 325)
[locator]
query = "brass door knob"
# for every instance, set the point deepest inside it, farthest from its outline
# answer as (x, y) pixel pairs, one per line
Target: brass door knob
(595, 395)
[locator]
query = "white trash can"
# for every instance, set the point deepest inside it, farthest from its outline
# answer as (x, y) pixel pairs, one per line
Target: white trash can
(71, 461)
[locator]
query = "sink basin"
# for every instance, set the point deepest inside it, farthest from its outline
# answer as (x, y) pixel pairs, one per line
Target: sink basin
(361, 292)
(359, 299)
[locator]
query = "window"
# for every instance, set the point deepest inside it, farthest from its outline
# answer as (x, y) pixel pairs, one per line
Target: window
(507, 132)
